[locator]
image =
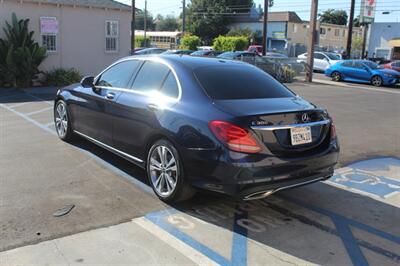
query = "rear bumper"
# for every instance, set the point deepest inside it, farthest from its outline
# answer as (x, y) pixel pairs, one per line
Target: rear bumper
(241, 175)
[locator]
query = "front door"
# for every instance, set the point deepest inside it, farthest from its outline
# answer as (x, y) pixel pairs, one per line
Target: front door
(96, 105)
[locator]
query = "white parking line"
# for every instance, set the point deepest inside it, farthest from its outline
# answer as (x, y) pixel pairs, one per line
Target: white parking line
(40, 111)
(180, 246)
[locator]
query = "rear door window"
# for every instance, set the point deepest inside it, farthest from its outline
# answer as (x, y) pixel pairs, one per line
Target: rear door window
(170, 86)
(239, 82)
(150, 77)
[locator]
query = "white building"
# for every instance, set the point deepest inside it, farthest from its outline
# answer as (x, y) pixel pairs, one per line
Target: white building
(84, 34)
(384, 40)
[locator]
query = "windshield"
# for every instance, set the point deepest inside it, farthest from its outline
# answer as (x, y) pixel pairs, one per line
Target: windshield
(371, 65)
(333, 56)
(239, 82)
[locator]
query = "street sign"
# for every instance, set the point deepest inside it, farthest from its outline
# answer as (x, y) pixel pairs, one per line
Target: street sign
(367, 12)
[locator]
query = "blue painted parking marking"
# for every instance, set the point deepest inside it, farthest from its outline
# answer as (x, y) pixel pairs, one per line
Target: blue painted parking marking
(362, 176)
(239, 242)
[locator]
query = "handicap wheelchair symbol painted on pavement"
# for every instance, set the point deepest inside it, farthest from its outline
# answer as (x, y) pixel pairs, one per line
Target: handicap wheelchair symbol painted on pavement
(377, 177)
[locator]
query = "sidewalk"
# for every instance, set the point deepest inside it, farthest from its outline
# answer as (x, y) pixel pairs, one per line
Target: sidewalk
(137, 242)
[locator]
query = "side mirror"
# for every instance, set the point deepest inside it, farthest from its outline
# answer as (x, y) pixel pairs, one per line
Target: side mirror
(87, 82)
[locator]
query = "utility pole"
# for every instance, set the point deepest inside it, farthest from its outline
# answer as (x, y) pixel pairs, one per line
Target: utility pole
(350, 33)
(145, 22)
(133, 27)
(264, 40)
(183, 17)
(365, 31)
(311, 40)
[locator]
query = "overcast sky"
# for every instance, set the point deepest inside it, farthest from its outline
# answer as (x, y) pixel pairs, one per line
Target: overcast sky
(302, 7)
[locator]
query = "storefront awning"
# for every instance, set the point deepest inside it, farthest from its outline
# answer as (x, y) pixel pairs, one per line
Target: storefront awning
(395, 42)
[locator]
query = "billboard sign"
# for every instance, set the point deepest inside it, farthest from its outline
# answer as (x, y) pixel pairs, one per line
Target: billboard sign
(367, 12)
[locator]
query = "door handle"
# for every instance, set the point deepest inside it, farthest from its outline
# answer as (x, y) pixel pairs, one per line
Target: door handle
(152, 106)
(110, 95)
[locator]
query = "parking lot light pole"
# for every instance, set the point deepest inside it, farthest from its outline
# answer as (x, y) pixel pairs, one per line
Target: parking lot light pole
(133, 26)
(311, 40)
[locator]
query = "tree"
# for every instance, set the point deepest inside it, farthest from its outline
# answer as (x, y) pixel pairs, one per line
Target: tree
(190, 42)
(20, 54)
(332, 16)
(356, 21)
(139, 21)
(209, 18)
(168, 23)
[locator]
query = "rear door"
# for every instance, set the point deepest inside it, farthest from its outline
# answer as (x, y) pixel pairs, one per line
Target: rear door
(95, 106)
(320, 62)
(136, 117)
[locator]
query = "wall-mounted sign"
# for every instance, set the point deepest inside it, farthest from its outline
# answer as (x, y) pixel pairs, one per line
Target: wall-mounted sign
(48, 25)
(367, 12)
(278, 35)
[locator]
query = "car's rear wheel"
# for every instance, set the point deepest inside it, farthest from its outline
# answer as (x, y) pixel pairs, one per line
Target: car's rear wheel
(165, 173)
(336, 76)
(62, 121)
(376, 81)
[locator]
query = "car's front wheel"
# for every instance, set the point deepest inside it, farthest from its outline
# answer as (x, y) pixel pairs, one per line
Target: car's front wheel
(377, 81)
(165, 173)
(62, 121)
(336, 76)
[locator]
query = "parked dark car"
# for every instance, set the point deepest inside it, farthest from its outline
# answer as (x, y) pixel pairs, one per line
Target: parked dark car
(209, 53)
(195, 122)
(237, 55)
(181, 52)
(362, 71)
(147, 51)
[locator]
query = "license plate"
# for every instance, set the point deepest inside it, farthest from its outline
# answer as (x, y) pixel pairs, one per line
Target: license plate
(300, 135)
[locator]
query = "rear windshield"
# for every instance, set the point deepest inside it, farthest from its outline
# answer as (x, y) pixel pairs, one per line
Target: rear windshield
(239, 82)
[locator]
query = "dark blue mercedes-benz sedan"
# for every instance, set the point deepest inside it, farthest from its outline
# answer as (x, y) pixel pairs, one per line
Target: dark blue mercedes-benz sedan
(201, 123)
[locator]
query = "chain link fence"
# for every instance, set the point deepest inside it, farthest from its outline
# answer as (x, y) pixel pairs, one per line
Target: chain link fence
(285, 70)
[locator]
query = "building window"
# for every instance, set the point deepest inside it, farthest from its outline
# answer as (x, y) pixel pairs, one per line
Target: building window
(344, 33)
(48, 32)
(337, 32)
(50, 42)
(111, 36)
(294, 28)
(322, 31)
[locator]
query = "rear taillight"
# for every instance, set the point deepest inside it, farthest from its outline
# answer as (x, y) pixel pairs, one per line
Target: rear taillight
(234, 137)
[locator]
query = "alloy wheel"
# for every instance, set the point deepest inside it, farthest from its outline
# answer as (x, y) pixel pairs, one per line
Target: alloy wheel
(336, 76)
(376, 81)
(61, 119)
(164, 171)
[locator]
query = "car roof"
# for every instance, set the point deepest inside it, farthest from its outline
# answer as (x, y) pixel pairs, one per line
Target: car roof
(191, 62)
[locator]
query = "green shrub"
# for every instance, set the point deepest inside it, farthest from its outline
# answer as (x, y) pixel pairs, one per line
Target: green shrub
(20, 55)
(140, 42)
(287, 74)
(190, 42)
(61, 77)
(230, 43)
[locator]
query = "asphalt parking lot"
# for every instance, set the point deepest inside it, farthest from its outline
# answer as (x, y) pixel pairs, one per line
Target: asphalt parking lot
(351, 219)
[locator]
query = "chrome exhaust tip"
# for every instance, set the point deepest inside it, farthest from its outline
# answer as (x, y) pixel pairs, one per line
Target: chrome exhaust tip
(259, 195)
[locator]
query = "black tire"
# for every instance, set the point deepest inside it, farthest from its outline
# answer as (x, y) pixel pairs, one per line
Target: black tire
(376, 81)
(65, 134)
(182, 190)
(336, 76)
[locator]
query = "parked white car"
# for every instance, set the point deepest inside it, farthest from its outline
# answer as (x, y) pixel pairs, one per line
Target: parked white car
(322, 60)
